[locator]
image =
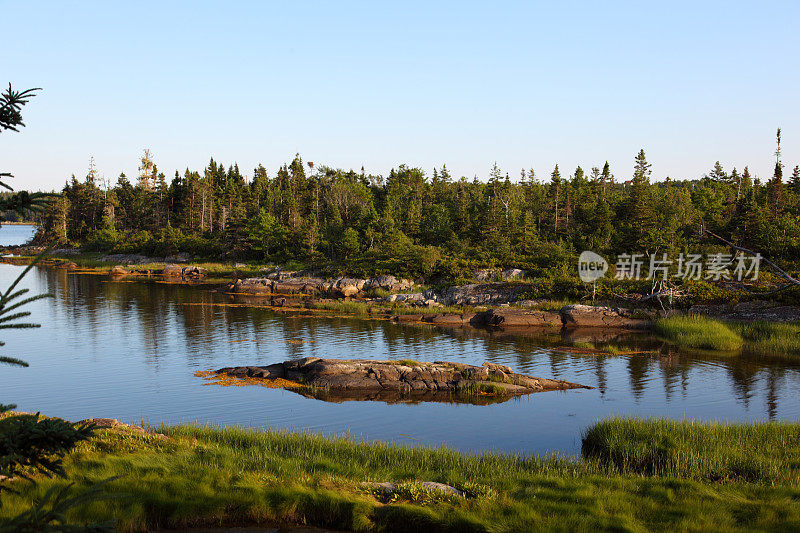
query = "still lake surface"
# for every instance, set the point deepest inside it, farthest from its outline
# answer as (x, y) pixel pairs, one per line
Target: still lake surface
(129, 350)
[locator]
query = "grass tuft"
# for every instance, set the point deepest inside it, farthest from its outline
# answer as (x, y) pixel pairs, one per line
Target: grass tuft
(781, 338)
(344, 307)
(766, 453)
(692, 331)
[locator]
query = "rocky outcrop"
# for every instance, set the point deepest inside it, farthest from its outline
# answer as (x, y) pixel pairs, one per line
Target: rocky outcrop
(297, 286)
(512, 274)
(343, 287)
(411, 298)
(118, 271)
(388, 283)
(452, 319)
(515, 316)
(251, 286)
(184, 272)
(588, 316)
(172, 271)
(584, 317)
(363, 376)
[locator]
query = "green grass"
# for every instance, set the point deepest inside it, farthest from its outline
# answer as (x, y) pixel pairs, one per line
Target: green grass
(691, 331)
(378, 293)
(439, 309)
(407, 362)
(583, 345)
(765, 453)
(780, 338)
(482, 387)
(344, 307)
(634, 476)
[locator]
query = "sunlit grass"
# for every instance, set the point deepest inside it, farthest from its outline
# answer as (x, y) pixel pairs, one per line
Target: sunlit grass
(780, 338)
(693, 331)
(635, 475)
(764, 452)
(344, 307)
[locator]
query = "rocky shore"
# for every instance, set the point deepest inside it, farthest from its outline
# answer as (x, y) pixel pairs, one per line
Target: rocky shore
(499, 299)
(364, 379)
(486, 304)
(569, 317)
(280, 282)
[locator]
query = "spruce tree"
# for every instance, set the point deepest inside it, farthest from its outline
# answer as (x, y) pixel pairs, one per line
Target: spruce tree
(775, 193)
(642, 217)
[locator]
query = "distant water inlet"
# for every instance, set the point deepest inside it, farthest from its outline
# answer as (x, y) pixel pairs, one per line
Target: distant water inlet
(131, 350)
(15, 234)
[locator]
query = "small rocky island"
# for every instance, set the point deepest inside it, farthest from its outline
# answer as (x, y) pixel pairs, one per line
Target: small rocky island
(396, 381)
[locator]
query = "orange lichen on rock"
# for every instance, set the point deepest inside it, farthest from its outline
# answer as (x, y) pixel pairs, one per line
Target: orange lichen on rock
(227, 380)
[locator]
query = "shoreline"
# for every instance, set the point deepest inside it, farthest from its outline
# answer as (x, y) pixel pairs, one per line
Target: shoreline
(772, 331)
(477, 304)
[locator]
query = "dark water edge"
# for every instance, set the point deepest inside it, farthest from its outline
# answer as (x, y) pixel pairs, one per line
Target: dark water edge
(129, 350)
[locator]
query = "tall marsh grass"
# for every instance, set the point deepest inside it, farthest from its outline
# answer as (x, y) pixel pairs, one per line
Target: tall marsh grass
(694, 331)
(765, 453)
(780, 338)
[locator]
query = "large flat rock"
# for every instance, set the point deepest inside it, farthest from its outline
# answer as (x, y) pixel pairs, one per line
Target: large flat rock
(343, 379)
(588, 316)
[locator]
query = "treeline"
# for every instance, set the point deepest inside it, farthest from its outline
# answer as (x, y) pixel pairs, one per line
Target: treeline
(428, 225)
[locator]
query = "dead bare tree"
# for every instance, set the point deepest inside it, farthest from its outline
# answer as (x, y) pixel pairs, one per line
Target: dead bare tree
(661, 288)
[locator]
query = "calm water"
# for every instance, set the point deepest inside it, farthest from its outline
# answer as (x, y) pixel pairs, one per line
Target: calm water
(129, 351)
(16, 234)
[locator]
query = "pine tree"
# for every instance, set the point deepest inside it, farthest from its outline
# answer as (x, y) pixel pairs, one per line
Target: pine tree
(775, 192)
(717, 174)
(642, 217)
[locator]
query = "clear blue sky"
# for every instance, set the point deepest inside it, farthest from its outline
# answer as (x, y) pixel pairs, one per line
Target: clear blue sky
(377, 84)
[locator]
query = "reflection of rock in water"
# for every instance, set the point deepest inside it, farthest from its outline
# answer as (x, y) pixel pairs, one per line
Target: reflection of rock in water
(397, 381)
(410, 397)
